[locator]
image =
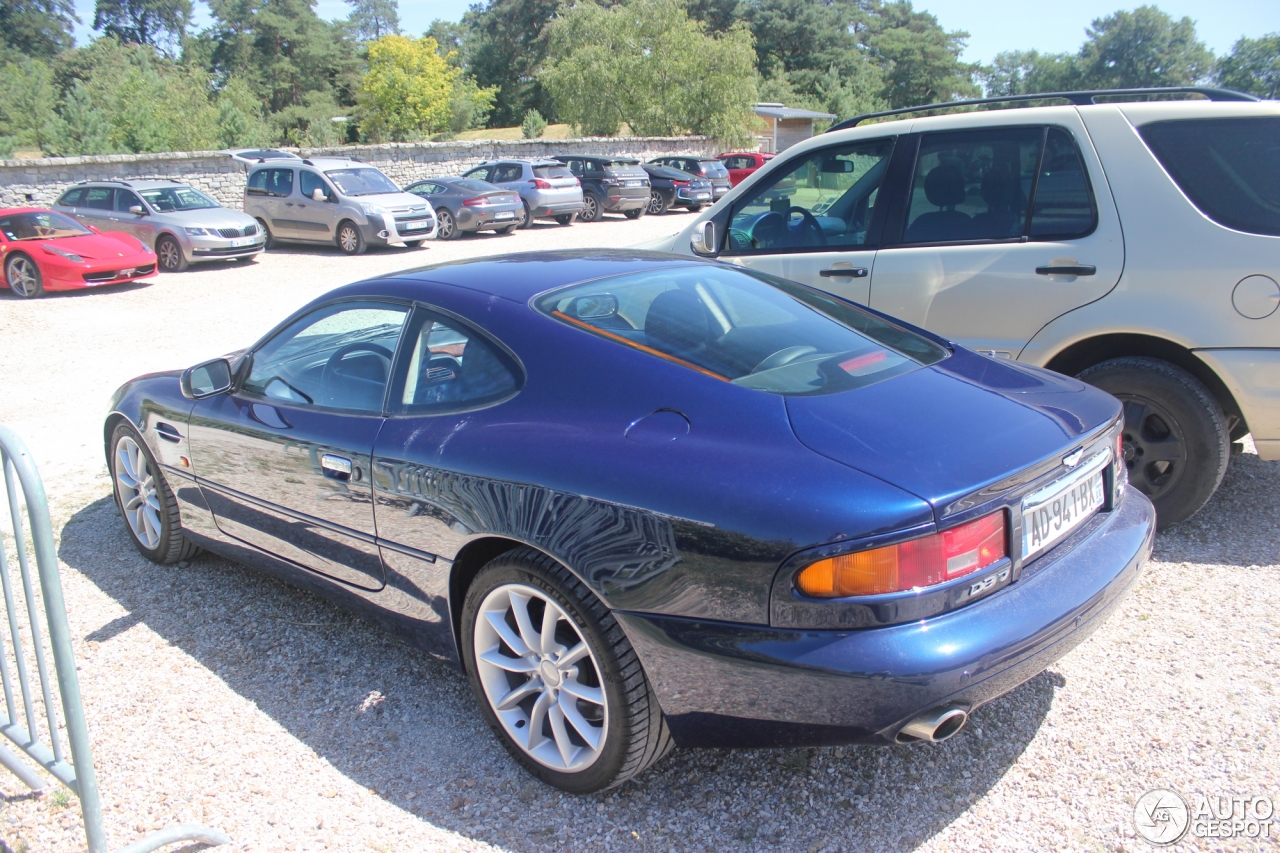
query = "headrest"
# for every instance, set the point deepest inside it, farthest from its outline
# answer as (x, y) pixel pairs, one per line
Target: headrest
(944, 185)
(677, 323)
(998, 190)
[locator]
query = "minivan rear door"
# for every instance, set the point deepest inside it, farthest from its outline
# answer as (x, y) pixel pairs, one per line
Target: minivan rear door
(1003, 227)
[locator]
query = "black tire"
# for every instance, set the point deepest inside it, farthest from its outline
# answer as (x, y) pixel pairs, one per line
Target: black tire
(566, 218)
(658, 203)
(23, 276)
(592, 207)
(169, 254)
(172, 544)
(349, 238)
(634, 214)
(1176, 442)
(248, 259)
(526, 216)
(413, 244)
(636, 734)
(269, 241)
(694, 208)
(504, 231)
(446, 227)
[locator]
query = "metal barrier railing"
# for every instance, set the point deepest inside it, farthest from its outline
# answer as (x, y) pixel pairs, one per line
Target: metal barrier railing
(78, 773)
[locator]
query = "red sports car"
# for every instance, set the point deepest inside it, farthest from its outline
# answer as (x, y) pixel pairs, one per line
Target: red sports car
(44, 250)
(741, 164)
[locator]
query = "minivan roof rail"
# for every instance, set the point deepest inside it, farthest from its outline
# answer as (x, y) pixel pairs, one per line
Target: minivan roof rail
(1081, 98)
(106, 181)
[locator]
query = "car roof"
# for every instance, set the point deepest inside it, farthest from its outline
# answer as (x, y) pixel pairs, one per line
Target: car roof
(163, 183)
(519, 277)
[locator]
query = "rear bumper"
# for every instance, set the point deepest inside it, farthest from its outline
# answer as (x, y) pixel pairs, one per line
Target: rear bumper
(477, 220)
(725, 685)
(1253, 378)
(620, 200)
(559, 208)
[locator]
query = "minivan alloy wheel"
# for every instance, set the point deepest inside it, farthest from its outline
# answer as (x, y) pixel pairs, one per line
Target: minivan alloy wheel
(540, 677)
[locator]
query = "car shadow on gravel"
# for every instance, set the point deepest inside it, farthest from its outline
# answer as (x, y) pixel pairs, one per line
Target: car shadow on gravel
(394, 720)
(81, 292)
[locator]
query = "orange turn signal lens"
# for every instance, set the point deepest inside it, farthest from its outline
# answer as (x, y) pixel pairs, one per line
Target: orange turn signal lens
(929, 560)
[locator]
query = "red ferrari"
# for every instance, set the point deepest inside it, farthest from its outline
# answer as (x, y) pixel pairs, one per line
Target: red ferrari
(44, 250)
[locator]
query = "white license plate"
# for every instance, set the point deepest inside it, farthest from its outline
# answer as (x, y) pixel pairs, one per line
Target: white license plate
(632, 183)
(242, 241)
(506, 214)
(701, 195)
(126, 273)
(415, 225)
(1062, 506)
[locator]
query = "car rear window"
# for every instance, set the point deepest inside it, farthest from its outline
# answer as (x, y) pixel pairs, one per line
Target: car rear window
(552, 172)
(745, 328)
(624, 167)
(1228, 167)
(714, 169)
(473, 186)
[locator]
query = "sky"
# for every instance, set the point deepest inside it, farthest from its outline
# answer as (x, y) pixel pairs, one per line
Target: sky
(994, 26)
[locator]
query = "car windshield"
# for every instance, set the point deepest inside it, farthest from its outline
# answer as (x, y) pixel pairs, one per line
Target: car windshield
(744, 327)
(177, 199)
(40, 225)
(364, 181)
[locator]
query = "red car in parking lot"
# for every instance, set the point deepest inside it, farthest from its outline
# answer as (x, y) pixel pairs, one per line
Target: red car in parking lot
(42, 250)
(742, 163)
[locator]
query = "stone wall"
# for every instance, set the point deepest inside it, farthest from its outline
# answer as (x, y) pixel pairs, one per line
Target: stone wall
(40, 182)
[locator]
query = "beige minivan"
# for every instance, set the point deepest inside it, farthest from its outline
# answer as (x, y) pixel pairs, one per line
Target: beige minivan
(1135, 245)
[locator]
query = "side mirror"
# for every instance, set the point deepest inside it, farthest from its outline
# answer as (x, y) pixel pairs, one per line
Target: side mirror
(137, 210)
(93, 228)
(207, 379)
(319, 194)
(703, 240)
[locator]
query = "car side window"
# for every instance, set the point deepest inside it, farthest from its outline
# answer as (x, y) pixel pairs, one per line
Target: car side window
(280, 182)
(480, 174)
(309, 182)
(99, 198)
(507, 173)
(72, 197)
(338, 356)
(820, 201)
(126, 200)
(1064, 205)
(450, 366)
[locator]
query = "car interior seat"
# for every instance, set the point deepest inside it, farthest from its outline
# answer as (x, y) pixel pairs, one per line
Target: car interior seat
(1005, 207)
(944, 188)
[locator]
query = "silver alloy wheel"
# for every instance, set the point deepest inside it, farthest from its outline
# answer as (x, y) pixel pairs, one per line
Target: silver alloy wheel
(445, 225)
(136, 488)
(655, 202)
(590, 210)
(170, 254)
(348, 239)
(534, 678)
(23, 276)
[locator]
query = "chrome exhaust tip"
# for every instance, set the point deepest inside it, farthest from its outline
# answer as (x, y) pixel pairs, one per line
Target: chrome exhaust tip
(933, 726)
(384, 234)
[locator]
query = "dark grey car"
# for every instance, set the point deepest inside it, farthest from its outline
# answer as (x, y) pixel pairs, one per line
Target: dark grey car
(465, 205)
(704, 167)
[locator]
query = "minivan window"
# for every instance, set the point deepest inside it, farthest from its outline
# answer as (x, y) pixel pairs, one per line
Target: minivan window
(309, 182)
(361, 181)
(1228, 167)
(743, 327)
(272, 182)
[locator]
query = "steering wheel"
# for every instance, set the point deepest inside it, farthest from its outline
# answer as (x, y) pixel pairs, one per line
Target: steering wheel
(807, 221)
(329, 379)
(783, 357)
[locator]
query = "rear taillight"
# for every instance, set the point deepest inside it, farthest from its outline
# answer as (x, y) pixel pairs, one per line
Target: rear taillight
(540, 184)
(681, 183)
(476, 202)
(923, 562)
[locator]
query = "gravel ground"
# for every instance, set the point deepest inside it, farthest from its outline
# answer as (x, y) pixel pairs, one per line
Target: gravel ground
(220, 696)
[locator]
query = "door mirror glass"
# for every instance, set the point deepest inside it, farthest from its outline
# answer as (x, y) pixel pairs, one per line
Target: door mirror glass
(206, 380)
(137, 210)
(703, 240)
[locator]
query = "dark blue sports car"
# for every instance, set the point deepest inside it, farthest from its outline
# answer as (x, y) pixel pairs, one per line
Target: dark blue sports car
(645, 500)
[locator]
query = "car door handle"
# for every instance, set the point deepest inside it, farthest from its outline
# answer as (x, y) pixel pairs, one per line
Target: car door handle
(838, 272)
(336, 467)
(1067, 269)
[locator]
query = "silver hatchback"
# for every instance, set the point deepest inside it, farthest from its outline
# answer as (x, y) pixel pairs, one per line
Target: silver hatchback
(547, 188)
(182, 224)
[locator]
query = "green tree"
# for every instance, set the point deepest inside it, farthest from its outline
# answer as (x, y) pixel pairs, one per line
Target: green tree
(533, 126)
(1253, 66)
(451, 40)
(87, 129)
(508, 45)
(373, 19)
(298, 65)
(37, 28)
(160, 23)
(411, 91)
(241, 123)
(1145, 47)
(920, 61)
(652, 67)
(1021, 72)
(28, 98)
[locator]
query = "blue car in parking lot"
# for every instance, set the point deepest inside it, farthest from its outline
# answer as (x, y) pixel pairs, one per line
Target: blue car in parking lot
(645, 500)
